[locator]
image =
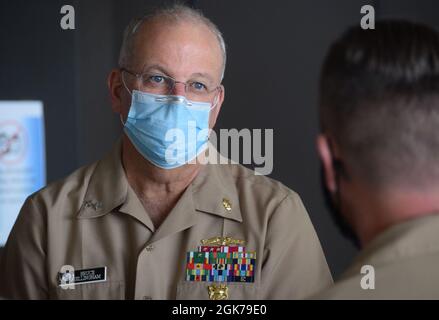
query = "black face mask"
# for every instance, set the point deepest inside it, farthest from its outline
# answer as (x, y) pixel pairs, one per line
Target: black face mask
(333, 204)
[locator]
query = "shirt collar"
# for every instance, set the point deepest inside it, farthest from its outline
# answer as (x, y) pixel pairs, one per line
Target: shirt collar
(407, 239)
(213, 191)
(108, 186)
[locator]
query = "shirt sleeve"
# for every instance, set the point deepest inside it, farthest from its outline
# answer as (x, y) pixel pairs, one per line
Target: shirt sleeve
(22, 265)
(294, 265)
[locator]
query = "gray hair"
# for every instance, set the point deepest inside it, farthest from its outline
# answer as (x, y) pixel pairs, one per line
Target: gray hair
(174, 13)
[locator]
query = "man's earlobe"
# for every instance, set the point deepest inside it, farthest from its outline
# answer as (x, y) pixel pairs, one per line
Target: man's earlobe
(326, 157)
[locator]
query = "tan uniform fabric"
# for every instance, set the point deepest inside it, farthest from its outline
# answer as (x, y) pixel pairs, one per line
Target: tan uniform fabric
(94, 219)
(406, 262)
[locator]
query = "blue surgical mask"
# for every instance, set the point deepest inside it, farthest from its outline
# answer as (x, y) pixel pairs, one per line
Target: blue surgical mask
(167, 130)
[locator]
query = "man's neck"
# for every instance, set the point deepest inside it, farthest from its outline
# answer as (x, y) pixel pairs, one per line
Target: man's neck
(382, 210)
(158, 189)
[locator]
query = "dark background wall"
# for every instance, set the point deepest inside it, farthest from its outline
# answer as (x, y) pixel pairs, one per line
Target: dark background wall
(275, 49)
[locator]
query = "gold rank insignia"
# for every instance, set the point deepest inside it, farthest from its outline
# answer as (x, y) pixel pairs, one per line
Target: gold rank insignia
(218, 292)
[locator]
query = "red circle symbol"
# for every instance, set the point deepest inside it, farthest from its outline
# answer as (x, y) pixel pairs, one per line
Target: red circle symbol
(13, 142)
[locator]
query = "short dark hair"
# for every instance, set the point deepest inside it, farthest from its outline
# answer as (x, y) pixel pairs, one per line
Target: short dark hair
(379, 101)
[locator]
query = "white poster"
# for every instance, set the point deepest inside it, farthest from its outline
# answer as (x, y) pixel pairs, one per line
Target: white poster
(22, 158)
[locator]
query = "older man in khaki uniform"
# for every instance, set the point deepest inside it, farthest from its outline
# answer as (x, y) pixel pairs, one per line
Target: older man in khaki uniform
(133, 227)
(379, 147)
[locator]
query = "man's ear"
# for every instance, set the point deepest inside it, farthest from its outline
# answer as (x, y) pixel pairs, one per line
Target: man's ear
(326, 157)
(115, 86)
(215, 111)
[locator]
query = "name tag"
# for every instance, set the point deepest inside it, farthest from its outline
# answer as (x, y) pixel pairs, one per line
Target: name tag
(70, 276)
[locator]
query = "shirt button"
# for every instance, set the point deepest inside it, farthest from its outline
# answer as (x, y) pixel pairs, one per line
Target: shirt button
(149, 248)
(146, 298)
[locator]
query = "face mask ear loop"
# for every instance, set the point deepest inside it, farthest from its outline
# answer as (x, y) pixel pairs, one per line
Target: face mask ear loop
(121, 120)
(211, 108)
(216, 102)
(124, 84)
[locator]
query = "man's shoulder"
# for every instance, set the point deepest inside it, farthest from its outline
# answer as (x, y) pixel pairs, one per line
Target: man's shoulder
(68, 191)
(401, 278)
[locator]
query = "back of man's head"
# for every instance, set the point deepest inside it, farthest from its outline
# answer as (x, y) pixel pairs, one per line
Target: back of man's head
(379, 102)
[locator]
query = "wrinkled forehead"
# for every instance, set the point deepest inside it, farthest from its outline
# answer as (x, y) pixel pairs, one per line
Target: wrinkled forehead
(188, 45)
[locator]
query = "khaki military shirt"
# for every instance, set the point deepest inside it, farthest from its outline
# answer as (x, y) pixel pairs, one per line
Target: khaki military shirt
(94, 219)
(405, 259)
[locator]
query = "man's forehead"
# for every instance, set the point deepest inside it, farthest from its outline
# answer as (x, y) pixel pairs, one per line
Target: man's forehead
(162, 30)
(158, 42)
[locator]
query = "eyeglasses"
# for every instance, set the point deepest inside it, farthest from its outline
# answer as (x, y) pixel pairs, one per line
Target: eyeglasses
(161, 84)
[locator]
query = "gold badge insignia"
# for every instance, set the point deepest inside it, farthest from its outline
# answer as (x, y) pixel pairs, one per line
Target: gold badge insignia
(227, 205)
(222, 241)
(218, 292)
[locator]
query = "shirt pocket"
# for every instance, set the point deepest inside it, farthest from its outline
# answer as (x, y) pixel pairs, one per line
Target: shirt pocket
(194, 290)
(114, 290)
